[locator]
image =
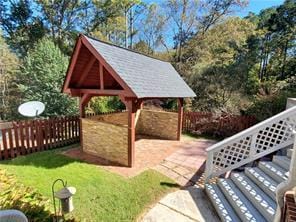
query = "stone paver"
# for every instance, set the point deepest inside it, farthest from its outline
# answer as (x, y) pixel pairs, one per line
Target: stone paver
(162, 213)
(183, 161)
(188, 162)
(190, 204)
(151, 152)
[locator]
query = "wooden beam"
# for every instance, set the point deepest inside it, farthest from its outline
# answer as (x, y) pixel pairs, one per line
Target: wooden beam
(108, 67)
(72, 64)
(82, 103)
(99, 92)
(86, 70)
(101, 76)
(132, 109)
(85, 99)
(141, 104)
(180, 117)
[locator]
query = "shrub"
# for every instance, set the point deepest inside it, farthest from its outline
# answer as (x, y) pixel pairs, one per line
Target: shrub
(14, 195)
(268, 106)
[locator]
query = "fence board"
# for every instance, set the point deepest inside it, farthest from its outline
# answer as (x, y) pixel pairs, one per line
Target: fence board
(4, 141)
(31, 136)
(223, 126)
(11, 145)
(16, 139)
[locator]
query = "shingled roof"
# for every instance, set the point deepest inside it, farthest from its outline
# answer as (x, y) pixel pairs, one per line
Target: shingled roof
(145, 76)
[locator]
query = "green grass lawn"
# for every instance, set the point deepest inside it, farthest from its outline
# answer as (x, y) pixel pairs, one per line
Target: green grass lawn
(101, 195)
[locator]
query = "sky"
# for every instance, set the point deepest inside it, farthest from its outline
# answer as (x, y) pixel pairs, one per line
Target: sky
(257, 5)
(254, 5)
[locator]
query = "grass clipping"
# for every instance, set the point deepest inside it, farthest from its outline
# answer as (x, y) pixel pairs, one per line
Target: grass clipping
(14, 195)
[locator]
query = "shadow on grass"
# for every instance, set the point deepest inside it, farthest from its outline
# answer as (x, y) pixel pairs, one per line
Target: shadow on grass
(170, 185)
(49, 159)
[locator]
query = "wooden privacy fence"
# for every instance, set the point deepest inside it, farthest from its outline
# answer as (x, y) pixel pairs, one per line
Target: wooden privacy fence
(209, 124)
(24, 137)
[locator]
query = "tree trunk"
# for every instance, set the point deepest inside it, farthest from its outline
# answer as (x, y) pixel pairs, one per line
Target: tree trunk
(284, 59)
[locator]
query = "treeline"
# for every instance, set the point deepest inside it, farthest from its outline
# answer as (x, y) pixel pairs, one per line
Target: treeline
(236, 65)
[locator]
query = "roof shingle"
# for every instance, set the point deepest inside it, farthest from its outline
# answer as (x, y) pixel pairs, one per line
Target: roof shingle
(147, 77)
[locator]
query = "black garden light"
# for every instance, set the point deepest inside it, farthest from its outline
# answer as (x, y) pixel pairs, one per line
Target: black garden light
(64, 196)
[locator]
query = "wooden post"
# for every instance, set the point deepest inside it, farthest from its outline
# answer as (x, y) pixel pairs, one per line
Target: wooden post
(180, 117)
(141, 104)
(82, 103)
(132, 109)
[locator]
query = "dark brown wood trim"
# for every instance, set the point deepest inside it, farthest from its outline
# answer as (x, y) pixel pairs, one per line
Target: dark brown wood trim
(85, 99)
(96, 92)
(132, 109)
(180, 117)
(101, 76)
(72, 64)
(86, 70)
(128, 90)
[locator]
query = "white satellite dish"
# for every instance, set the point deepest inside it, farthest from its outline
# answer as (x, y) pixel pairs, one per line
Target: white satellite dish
(31, 109)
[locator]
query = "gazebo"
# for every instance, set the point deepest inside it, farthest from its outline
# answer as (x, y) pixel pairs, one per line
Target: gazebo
(102, 69)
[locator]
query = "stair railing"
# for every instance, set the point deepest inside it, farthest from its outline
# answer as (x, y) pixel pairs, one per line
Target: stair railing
(287, 185)
(253, 143)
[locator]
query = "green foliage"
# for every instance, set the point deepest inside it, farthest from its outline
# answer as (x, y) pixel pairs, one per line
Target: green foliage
(217, 75)
(9, 94)
(105, 104)
(227, 61)
(252, 82)
(101, 195)
(21, 27)
(41, 78)
(61, 19)
(266, 106)
(14, 195)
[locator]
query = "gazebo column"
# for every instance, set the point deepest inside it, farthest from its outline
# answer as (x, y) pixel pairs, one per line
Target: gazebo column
(82, 103)
(180, 117)
(132, 109)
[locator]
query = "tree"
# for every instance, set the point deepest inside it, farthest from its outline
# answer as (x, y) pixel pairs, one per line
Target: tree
(282, 25)
(21, 27)
(9, 94)
(183, 14)
(63, 19)
(214, 10)
(41, 78)
(215, 67)
(143, 47)
(151, 28)
(114, 20)
(105, 104)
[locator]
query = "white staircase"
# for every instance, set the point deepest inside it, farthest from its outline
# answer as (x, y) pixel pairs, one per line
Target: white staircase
(256, 193)
(249, 195)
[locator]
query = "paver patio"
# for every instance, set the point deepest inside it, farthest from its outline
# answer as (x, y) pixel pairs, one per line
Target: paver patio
(187, 205)
(179, 160)
(186, 164)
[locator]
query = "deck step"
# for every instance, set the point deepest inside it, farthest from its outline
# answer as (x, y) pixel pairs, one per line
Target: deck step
(289, 153)
(223, 208)
(282, 161)
(262, 180)
(274, 171)
(263, 203)
(243, 207)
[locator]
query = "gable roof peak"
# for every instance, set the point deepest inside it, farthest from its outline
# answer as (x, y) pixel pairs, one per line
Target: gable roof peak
(121, 47)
